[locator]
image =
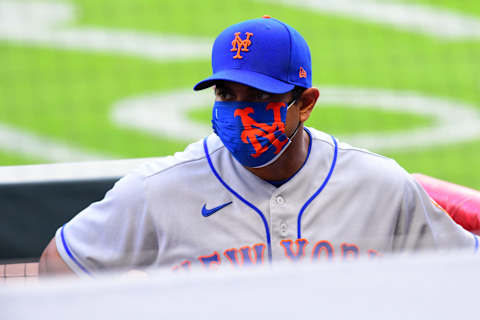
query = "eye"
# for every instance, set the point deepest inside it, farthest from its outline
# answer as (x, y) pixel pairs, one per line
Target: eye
(262, 95)
(222, 94)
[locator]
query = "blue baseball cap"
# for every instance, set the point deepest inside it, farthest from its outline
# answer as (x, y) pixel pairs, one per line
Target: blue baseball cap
(263, 53)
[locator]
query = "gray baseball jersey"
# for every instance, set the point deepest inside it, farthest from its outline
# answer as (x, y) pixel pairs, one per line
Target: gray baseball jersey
(201, 207)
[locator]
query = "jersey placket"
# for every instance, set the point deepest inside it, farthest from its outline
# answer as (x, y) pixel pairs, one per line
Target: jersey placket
(280, 216)
(290, 201)
(282, 222)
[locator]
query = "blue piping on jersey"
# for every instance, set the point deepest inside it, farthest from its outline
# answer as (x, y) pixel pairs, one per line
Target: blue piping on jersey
(267, 230)
(476, 243)
(300, 214)
(70, 253)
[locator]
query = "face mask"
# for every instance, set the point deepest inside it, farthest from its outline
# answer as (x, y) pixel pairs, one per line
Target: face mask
(253, 132)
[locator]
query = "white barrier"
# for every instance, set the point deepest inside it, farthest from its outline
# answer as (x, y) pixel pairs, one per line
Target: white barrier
(398, 287)
(104, 169)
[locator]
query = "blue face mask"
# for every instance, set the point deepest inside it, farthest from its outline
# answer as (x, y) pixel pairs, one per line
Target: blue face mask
(253, 132)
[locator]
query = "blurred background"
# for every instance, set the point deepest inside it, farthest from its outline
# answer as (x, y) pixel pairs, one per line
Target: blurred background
(112, 79)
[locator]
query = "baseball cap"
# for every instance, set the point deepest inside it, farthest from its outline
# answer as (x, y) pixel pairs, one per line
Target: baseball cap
(263, 53)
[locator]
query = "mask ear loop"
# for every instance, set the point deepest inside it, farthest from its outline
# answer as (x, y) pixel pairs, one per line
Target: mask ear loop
(289, 141)
(295, 132)
(298, 125)
(291, 103)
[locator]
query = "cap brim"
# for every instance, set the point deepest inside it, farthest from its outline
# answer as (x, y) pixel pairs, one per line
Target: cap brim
(248, 78)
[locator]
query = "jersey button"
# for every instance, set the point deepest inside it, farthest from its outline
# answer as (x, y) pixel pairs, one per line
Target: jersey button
(283, 229)
(280, 200)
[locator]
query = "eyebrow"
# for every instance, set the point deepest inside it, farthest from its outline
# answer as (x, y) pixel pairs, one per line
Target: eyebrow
(227, 89)
(220, 87)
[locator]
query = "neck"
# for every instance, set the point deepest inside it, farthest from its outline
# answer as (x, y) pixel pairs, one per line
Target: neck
(289, 162)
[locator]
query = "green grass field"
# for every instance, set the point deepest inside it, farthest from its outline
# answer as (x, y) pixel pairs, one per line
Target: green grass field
(67, 95)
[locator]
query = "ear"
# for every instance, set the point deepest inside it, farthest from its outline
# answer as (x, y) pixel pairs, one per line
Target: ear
(308, 99)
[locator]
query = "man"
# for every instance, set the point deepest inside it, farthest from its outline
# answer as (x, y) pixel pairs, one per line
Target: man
(262, 189)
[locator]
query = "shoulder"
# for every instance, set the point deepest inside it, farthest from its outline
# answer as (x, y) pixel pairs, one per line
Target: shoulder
(173, 177)
(194, 156)
(320, 137)
(177, 174)
(357, 164)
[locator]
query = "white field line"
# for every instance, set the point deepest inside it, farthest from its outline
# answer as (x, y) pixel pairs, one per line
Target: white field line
(13, 140)
(428, 20)
(454, 121)
(44, 24)
(165, 115)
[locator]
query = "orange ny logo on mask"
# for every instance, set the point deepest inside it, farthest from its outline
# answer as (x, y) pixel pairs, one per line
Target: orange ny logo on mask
(239, 44)
(253, 129)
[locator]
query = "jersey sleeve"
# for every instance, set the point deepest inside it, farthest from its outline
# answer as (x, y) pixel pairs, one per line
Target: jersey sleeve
(424, 225)
(116, 232)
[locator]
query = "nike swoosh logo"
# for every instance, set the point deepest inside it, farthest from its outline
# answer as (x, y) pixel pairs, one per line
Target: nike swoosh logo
(208, 212)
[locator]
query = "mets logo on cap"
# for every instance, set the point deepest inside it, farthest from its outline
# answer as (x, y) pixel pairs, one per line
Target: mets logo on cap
(239, 44)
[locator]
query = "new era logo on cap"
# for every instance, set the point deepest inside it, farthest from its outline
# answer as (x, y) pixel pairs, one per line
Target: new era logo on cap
(302, 73)
(263, 53)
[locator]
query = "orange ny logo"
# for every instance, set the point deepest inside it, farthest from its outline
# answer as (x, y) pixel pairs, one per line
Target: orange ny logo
(238, 44)
(253, 129)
